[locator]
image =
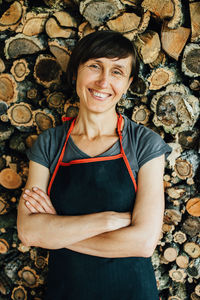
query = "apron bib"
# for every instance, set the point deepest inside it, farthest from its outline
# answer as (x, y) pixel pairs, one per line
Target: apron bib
(86, 186)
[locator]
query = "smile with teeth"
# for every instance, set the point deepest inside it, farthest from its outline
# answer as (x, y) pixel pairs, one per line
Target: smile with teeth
(99, 95)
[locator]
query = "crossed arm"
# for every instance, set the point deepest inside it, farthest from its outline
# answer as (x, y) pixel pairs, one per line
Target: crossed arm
(106, 234)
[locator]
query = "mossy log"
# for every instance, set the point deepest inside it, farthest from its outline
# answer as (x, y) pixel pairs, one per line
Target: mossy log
(190, 61)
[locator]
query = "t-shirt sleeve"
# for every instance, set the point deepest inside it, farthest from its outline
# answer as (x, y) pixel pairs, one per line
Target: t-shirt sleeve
(150, 145)
(40, 151)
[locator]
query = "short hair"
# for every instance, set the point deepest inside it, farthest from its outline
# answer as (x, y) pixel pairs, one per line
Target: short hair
(109, 44)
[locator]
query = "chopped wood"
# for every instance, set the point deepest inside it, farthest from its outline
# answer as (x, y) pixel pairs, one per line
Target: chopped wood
(47, 70)
(192, 249)
(21, 44)
(174, 298)
(4, 246)
(139, 87)
(125, 23)
(21, 115)
(195, 85)
(167, 228)
(179, 237)
(183, 169)
(195, 21)
(160, 60)
(190, 61)
(11, 17)
(197, 289)
(61, 25)
(174, 40)
(71, 109)
(194, 296)
(193, 207)
(10, 179)
(98, 12)
(19, 293)
(29, 277)
(175, 108)
(172, 216)
(182, 261)
(161, 77)
(3, 206)
(5, 132)
(126, 103)
(191, 226)
(177, 275)
(85, 29)
(148, 46)
(177, 18)
(56, 100)
(31, 139)
(32, 93)
(43, 120)
(33, 23)
(40, 262)
(8, 88)
(160, 9)
(189, 139)
(141, 114)
(193, 269)
(2, 66)
(20, 69)
(170, 254)
(175, 192)
(61, 53)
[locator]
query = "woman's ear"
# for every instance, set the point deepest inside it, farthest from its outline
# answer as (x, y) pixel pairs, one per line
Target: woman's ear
(129, 82)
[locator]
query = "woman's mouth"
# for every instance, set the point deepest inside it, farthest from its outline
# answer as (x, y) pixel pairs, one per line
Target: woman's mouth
(99, 95)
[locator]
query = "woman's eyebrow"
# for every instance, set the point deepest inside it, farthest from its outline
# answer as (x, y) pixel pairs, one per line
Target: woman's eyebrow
(115, 65)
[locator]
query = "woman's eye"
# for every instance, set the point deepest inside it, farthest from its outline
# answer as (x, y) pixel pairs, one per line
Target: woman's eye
(94, 66)
(117, 72)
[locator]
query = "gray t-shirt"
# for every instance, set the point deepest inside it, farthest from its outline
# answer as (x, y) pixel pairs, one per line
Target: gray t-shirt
(140, 144)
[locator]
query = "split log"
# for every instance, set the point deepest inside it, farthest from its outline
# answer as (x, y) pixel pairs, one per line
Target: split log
(47, 71)
(160, 60)
(177, 19)
(2, 66)
(21, 44)
(190, 61)
(29, 277)
(8, 88)
(30, 140)
(141, 114)
(161, 77)
(182, 261)
(179, 237)
(19, 293)
(43, 120)
(61, 25)
(192, 249)
(98, 12)
(172, 216)
(175, 108)
(191, 226)
(20, 69)
(174, 40)
(61, 53)
(85, 29)
(3, 206)
(148, 46)
(195, 21)
(11, 17)
(9, 179)
(33, 23)
(193, 207)
(159, 9)
(178, 275)
(21, 115)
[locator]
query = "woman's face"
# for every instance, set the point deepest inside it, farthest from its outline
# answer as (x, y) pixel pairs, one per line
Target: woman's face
(101, 82)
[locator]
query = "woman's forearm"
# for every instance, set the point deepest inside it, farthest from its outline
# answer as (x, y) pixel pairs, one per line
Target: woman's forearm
(124, 242)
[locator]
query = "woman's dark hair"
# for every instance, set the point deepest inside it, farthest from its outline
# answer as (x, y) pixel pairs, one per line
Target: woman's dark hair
(109, 44)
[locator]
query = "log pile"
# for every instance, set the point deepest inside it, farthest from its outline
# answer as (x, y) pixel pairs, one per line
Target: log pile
(35, 46)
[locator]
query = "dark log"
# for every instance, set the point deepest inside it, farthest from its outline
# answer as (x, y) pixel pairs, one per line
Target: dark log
(5, 132)
(98, 12)
(47, 71)
(56, 100)
(43, 120)
(189, 139)
(71, 109)
(30, 140)
(190, 61)
(140, 87)
(19, 293)
(191, 226)
(29, 277)
(61, 53)
(23, 45)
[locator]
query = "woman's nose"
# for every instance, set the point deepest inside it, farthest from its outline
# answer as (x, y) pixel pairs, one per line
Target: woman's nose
(103, 80)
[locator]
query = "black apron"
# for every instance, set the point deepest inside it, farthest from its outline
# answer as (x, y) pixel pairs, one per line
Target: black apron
(88, 186)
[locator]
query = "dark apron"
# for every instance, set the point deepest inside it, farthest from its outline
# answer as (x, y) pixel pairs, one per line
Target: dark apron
(87, 186)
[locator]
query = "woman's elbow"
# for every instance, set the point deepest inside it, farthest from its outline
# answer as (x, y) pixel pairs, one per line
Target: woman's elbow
(25, 236)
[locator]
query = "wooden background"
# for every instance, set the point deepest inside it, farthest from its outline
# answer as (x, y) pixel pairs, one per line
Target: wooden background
(36, 39)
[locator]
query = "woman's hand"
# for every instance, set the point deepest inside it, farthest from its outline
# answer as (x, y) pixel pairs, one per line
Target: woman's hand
(38, 201)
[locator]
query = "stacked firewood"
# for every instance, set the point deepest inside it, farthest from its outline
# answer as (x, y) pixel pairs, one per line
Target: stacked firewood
(36, 40)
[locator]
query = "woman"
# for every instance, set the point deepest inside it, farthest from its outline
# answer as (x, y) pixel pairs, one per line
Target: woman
(80, 198)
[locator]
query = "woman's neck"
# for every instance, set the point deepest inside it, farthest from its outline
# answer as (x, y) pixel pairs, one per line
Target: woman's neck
(94, 125)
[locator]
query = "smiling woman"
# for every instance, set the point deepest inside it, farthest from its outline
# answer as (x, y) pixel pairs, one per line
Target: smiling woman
(91, 195)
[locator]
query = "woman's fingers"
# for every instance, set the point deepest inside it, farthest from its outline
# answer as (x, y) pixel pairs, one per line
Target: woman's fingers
(38, 202)
(32, 204)
(45, 197)
(31, 208)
